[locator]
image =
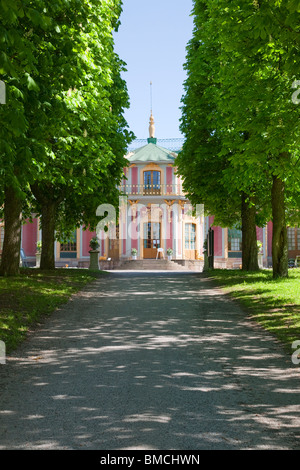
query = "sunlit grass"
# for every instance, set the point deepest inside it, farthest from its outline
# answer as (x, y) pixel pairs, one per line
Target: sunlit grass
(26, 299)
(275, 304)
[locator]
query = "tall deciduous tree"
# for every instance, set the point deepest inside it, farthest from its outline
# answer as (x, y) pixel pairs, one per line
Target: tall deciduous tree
(17, 65)
(75, 133)
(256, 44)
(205, 163)
(259, 46)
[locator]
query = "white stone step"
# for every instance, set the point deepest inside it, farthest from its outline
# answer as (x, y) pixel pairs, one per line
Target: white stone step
(151, 264)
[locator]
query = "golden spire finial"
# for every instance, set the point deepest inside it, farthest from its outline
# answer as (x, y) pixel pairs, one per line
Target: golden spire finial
(151, 127)
(152, 124)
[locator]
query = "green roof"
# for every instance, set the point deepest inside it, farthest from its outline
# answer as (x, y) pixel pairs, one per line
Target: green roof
(152, 153)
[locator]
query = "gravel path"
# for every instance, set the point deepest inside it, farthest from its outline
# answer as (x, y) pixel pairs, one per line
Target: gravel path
(150, 361)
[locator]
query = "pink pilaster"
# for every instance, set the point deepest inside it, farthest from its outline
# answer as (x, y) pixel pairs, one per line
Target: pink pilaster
(134, 180)
(218, 237)
(169, 177)
(86, 237)
(170, 219)
(29, 237)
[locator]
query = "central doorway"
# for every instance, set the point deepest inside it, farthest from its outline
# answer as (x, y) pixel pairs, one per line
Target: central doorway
(152, 239)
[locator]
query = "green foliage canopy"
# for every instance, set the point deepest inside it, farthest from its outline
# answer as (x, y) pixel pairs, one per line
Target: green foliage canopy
(240, 123)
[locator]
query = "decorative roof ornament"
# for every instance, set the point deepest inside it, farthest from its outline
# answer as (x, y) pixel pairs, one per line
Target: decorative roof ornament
(152, 127)
(152, 123)
(151, 139)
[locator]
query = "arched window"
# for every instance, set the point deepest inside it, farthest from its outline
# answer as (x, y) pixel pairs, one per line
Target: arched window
(152, 182)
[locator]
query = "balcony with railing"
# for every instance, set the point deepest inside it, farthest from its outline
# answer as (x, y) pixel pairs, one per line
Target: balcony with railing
(164, 190)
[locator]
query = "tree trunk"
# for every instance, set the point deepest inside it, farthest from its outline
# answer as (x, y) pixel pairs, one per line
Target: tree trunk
(279, 240)
(249, 238)
(48, 216)
(10, 262)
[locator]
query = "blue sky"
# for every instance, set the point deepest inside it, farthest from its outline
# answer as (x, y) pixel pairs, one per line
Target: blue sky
(152, 40)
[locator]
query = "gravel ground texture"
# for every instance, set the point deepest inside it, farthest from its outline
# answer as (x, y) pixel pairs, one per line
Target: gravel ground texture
(150, 361)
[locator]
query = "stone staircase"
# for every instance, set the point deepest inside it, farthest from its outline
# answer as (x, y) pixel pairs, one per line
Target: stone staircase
(152, 265)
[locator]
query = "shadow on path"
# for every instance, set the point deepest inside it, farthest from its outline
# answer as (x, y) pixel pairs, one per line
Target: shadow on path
(150, 361)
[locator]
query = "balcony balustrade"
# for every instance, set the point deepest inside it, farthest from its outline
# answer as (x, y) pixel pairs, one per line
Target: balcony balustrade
(152, 189)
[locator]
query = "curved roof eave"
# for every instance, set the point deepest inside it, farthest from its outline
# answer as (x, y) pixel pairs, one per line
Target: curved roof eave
(151, 153)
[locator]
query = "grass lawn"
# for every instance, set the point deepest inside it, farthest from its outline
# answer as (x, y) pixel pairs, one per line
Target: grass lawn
(25, 299)
(275, 304)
